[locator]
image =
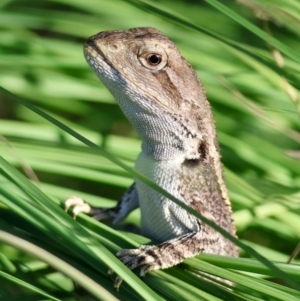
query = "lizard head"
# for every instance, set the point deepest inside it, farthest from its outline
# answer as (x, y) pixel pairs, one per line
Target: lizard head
(143, 59)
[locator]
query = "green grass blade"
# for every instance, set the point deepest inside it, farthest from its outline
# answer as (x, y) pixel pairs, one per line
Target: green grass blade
(138, 175)
(58, 264)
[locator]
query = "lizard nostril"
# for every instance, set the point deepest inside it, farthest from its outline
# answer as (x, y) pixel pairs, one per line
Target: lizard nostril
(113, 47)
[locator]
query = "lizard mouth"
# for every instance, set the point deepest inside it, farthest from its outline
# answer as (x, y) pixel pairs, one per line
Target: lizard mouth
(90, 47)
(92, 53)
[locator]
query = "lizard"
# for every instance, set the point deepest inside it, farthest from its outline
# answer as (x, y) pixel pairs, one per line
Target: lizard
(162, 97)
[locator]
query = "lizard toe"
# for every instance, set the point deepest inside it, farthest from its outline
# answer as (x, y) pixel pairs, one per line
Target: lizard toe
(78, 205)
(118, 282)
(133, 258)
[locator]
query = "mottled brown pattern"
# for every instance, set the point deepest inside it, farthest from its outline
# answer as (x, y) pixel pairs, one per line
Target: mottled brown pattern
(166, 103)
(167, 86)
(140, 33)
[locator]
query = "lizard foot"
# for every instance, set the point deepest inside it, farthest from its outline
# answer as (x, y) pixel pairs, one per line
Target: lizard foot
(79, 205)
(96, 213)
(145, 256)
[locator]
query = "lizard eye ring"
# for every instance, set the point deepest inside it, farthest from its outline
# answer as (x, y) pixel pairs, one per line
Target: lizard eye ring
(154, 59)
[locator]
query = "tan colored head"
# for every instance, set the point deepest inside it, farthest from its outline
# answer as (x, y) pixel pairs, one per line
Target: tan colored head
(149, 60)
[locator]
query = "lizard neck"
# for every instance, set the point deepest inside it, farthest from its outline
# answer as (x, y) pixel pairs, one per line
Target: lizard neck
(165, 135)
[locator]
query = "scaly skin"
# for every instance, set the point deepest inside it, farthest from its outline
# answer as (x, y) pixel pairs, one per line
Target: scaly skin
(162, 97)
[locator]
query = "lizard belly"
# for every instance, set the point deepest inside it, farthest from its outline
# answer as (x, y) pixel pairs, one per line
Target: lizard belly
(162, 219)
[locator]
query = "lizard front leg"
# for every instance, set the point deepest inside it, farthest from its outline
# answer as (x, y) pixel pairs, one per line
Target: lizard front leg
(128, 202)
(168, 253)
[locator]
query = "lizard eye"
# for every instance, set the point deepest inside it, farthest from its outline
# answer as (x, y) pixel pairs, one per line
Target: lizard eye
(154, 59)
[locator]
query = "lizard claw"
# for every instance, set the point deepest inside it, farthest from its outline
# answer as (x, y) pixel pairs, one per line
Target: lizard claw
(117, 283)
(110, 272)
(79, 205)
(133, 258)
(144, 256)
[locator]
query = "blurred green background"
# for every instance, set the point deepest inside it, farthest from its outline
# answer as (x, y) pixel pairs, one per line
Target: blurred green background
(247, 56)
